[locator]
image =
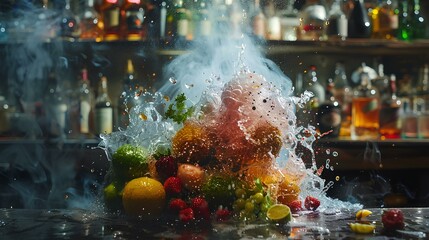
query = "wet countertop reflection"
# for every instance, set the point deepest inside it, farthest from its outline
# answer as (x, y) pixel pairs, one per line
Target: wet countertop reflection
(84, 224)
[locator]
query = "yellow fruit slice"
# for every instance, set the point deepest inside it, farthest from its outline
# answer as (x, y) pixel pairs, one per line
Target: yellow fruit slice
(279, 212)
(362, 228)
(362, 214)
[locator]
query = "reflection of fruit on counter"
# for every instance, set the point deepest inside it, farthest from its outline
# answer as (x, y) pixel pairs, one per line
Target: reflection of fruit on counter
(130, 162)
(143, 196)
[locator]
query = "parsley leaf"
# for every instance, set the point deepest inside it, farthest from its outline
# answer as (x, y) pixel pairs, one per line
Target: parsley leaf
(178, 111)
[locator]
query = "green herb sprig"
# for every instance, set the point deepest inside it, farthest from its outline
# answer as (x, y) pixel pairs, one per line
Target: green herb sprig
(178, 111)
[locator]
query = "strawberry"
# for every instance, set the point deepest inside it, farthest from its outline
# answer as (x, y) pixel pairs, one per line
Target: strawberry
(166, 167)
(186, 215)
(177, 204)
(311, 203)
(295, 206)
(173, 186)
(201, 208)
(393, 219)
(222, 214)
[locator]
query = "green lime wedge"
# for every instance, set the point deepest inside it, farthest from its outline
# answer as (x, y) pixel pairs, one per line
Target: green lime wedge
(279, 213)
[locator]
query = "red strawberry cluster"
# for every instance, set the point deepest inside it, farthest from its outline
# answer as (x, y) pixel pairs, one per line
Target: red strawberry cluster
(198, 209)
(173, 186)
(393, 219)
(295, 206)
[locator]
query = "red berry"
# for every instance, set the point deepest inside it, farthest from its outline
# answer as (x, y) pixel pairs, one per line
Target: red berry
(177, 204)
(393, 219)
(295, 206)
(311, 203)
(173, 186)
(166, 167)
(222, 215)
(201, 208)
(186, 215)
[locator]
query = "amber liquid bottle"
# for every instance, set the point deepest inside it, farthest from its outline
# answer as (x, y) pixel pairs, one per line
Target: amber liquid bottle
(390, 112)
(133, 25)
(111, 15)
(365, 110)
(90, 23)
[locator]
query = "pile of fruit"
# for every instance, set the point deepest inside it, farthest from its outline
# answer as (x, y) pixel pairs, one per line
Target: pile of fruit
(220, 163)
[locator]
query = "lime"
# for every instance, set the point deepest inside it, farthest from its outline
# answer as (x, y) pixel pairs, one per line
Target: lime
(130, 162)
(362, 228)
(143, 197)
(279, 212)
(112, 197)
(219, 190)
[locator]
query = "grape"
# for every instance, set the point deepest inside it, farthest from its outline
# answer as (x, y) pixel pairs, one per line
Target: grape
(240, 193)
(258, 197)
(249, 207)
(240, 203)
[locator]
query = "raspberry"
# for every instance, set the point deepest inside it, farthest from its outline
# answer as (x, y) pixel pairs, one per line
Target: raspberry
(166, 167)
(173, 186)
(201, 208)
(186, 215)
(311, 203)
(222, 215)
(295, 206)
(393, 219)
(177, 204)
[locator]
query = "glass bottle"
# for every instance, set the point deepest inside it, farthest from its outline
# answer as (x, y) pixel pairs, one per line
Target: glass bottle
(273, 30)
(313, 17)
(359, 25)
(259, 21)
(181, 22)
(409, 117)
(69, 23)
(381, 82)
(103, 109)
(86, 99)
(329, 114)
(203, 26)
(405, 21)
(390, 112)
(290, 22)
(418, 21)
(57, 105)
(343, 94)
(337, 22)
(384, 20)
(3, 28)
(111, 16)
(91, 26)
(127, 99)
(365, 110)
(133, 16)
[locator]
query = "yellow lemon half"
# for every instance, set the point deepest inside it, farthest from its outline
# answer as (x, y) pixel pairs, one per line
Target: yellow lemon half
(362, 228)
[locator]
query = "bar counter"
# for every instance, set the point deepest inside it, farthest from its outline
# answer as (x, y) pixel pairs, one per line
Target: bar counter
(84, 224)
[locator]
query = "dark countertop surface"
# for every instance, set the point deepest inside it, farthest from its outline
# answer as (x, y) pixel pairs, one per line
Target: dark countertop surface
(85, 224)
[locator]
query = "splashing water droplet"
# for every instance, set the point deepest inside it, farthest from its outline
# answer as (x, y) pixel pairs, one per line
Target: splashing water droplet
(335, 154)
(189, 86)
(332, 168)
(337, 178)
(328, 151)
(143, 117)
(172, 80)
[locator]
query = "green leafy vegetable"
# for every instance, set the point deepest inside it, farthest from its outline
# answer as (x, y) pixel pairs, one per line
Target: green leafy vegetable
(178, 111)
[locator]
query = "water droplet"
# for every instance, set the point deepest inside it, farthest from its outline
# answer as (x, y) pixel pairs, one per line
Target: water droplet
(332, 168)
(189, 85)
(92, 170)
(328, 151)
(172, 80)
(335, 154)
(337, 178)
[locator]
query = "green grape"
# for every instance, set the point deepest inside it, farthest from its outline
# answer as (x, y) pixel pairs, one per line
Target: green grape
(258, 197)
(240, 203)
(240, 193)
(249, 207)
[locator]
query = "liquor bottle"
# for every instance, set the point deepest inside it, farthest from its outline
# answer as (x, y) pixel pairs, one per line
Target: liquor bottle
(181, 22)
(311, 84)
(103, 109)
(203, 24)
(343, 94)
(381, 82)
(423, 81)
(337, 22)
(390, 112)
(290, 22)
(91, 26)
(405, 21)
(69, 23)
(4, 31)
(384, 20)
(359, 25)
(134, 27)
(365, 110)
(86, 99)
(418, 22)
(408, 118)
(57, 105)
(127, 99)
(259, 21)
(329, 114)
(313, 17)
(273, 22)
(111, 16)
(163, 20)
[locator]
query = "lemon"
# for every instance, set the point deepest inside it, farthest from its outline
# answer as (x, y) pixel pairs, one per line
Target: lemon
(143, 197)
(279, 212)
(362, 228)
(362, 214)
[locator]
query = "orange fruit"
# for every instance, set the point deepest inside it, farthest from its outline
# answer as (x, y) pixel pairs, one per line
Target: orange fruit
(143, 197)
(288, 191)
